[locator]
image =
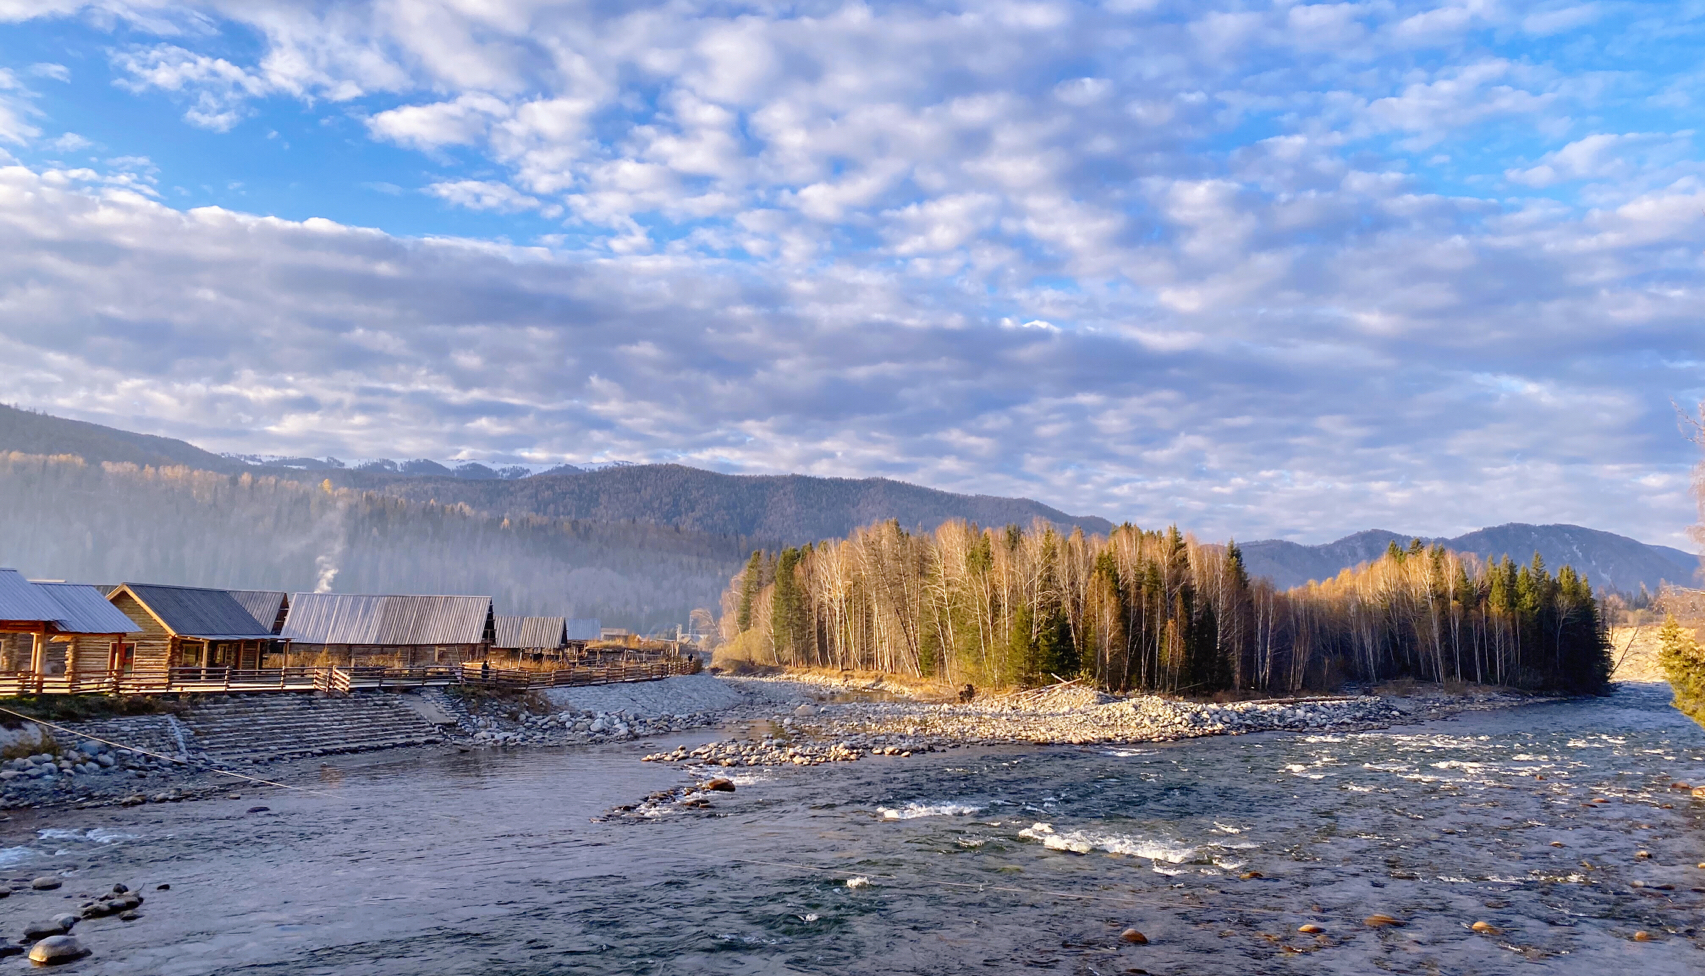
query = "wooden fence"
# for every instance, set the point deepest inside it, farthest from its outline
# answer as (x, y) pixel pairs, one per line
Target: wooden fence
(332, 678)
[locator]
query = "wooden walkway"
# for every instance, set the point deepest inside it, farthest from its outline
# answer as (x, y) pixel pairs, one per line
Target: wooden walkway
(175, 681)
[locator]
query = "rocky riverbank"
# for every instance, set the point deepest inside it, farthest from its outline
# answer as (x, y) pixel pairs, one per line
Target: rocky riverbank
(812, 733)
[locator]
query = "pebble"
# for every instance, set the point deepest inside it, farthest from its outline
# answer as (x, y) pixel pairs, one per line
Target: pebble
(1644, 936)
(47, 883)
(1486, 928)
(57, 949)
(258, 809)
(1134, 937)
(1379, 921)
(1310, 929)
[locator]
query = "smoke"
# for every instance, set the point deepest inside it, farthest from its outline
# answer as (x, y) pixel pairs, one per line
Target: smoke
(326, 566)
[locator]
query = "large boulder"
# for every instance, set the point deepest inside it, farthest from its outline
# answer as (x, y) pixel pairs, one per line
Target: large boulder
(57, 949)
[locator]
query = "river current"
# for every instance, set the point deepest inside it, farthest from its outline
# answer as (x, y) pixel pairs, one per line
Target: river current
(1531, 819)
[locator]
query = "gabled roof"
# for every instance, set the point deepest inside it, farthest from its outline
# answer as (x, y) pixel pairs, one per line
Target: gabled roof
(349, 618)
(191, 611)
(514, 633)
(22, 600)
(583, 629)
(83, 610)
(263, 605)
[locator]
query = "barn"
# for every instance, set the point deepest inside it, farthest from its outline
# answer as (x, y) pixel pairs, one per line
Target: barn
(370, 630)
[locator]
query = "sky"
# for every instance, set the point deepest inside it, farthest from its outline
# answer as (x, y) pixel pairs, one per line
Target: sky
(1262, 269)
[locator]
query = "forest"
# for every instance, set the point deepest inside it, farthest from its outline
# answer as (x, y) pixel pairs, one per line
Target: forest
(67, 518)
(1158, 611)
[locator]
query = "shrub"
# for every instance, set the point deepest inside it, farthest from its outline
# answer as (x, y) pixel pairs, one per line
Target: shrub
(1683, 661)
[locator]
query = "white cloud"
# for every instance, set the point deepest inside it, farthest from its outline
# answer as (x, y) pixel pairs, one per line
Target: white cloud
(58, 72)
(13, 111)
(483, 195)
(221, 90)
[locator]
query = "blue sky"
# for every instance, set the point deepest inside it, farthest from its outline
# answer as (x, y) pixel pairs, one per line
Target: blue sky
(1263, 269)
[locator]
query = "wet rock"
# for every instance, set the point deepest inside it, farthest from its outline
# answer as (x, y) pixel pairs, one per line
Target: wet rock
(45, 883)
(5, 891)
(1644, 936)
(1380, 921)
(258, 809)
(129, 916)
(721, 784)
(1310, 929)
(1251, 875)
(164, 887)
(41, 930)
(1133, 937)
(57, 949)
(1486, 928)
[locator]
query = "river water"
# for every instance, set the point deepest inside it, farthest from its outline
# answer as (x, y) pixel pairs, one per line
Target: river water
(987, 861)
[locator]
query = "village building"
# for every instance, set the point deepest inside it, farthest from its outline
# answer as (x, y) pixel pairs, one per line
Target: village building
(195, 627)
(363, 630)
(58, 629)
(529, 640)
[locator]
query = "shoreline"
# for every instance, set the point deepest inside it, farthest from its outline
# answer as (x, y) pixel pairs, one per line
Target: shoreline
(791, 718)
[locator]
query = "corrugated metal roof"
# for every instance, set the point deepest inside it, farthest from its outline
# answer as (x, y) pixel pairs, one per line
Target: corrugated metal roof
(583, 628)
(515, 633)
(190, 611)
(263, 605)
(83, 610)
(350, 618)
(22, 600)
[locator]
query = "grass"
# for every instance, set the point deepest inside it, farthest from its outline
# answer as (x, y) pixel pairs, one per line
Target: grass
(79, 708)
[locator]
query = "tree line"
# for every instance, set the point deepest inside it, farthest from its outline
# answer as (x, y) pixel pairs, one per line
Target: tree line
(66, 518)
(1140, 610)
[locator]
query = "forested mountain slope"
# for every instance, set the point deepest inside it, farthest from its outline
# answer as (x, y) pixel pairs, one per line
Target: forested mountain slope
(1609, 560)
(792, 509)
(795, 509)
(27, 432)
(67, 519)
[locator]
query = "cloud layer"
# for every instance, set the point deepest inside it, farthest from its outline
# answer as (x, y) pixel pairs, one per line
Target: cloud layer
(1263, 269)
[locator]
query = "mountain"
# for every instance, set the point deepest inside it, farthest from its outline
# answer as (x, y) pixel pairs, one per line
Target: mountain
(790, 509)
(27, 432)
(794, 509)
(1609, 561)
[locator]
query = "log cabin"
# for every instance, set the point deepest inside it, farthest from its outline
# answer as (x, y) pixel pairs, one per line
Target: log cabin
(195, 627)
(372, 630)
(58, 628)
(529, 640)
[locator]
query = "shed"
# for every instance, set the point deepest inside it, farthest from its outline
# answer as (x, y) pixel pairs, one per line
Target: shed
(390, 630)
(529, 633)
(55, 628)
(582, 629)
(190, 626)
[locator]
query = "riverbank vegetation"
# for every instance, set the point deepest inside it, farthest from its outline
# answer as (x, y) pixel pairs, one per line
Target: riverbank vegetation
(1155, 611)
(1683, 664)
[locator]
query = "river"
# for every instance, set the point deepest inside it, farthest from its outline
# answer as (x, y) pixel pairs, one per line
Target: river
(985, 861)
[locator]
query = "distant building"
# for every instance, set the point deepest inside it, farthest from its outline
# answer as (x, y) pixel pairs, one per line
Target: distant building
(195, 627)
(530, 634)
(390, 631)
(58, 628)
(579, 630)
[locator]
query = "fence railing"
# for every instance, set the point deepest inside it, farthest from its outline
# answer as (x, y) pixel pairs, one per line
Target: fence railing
(327, 678)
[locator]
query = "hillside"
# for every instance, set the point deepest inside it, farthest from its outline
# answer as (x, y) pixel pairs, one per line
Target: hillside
(792, 509)
(67, 519)
(795, 509)
(1608, 560)
(27, 432)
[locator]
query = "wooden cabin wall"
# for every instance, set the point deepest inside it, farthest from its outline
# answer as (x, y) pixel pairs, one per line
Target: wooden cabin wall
(15, 651)
(154, 643)
(91, 652)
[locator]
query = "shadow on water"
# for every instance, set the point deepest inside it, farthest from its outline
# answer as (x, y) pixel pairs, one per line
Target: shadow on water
(1530, 819)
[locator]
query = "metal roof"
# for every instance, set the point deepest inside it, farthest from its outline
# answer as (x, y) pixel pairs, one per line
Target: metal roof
(515, 633)
(263, 605)
(83, 610)
(22, 600)
(350, 618)
(190, 611)
(583, 629)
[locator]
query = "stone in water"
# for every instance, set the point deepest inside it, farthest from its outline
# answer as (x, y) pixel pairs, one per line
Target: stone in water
(1134, 937)
(57, 949)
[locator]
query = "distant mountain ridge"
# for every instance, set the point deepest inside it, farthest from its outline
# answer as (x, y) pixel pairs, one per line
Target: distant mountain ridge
(1608, 560)
(790, 509)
